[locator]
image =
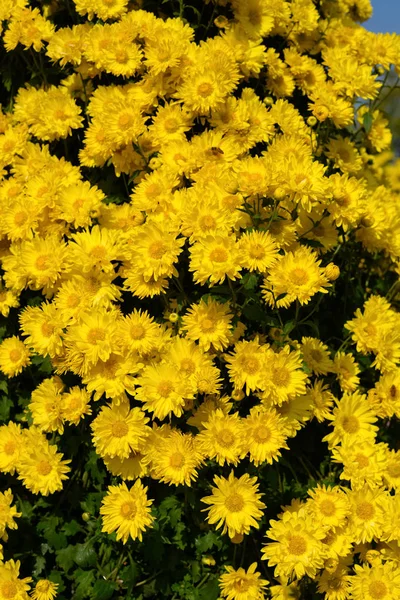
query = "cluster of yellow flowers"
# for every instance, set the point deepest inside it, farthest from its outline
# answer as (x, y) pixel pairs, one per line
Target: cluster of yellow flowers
(227, 180)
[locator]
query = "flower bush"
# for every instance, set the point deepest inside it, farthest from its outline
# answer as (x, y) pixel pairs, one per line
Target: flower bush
(199, 335)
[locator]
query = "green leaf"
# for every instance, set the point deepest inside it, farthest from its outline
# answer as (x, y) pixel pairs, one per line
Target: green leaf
(254, 312)
(103, 590)
(72, 528)
(84, 581)
(65, 558)
(85, 556)
(367, 122)
(5, 407)
(3, 386)
(40, 563)
(207, 541)
(210, 591)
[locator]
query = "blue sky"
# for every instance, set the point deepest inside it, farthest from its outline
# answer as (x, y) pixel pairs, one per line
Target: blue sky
(386, 17)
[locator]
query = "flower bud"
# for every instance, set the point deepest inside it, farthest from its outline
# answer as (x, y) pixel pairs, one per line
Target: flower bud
(86, 517)
(332, 272)
(221, 22)
(237, 538)
(173, 317)
(311, 121)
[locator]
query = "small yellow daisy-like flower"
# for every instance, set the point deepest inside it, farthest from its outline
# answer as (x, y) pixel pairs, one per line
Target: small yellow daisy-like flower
(346, 370)
(10, 584)
(10, 447)
(75, 404)
(45, 405)
(298, 275)
(258, 251)
(264, 435)
(41, 467)
(321, 398)
(43, 325)
(139, 332)
(175, 459)
(126, 511)
(215, 258)
(235, 504)
(44, 590)
(328, 506)
(7, 512)
(119, 430)
(283, 378)
(241, 584)
(247, 363)
(391, 474)
(376, 582)
(316, 355)
(297, 549)
(14, 356)
(364, 462)
(352, 419)
(163, 390)
(8, 300)
(367, 513)
(209, 323)
(221, 437)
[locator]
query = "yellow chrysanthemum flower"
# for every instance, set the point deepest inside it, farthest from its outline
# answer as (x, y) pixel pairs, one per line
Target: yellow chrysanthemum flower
(7, 512)
(44, 590)
(241, 584)
(221, 438)
(11, 586)
(352, 419)
(176, 458)
(10, 447)
(381, 581)
(209, 323)
(316, 355)
(14, 356)
(235, 504)
(45, 405)
(328, 506)
(264, 435)
(126, 511)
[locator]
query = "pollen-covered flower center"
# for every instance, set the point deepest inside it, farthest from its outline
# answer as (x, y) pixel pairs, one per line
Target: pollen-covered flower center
(119, 429)
(9, 589)
(219, 255)
(262, 434)
(177, 460)
(251, 365)
(121, 56)
(42, 586)
(96, 335)
(365, 511)
(43, 262)
(394, 470)
(362, 460)
(242, 585)
(15, 355)
(157, 250)
(188, 366)
(350, 424)
(205, 89)
(234, 502)
(226, 438)
(20, 218)
(280, 376)
(207, 324)
(125, 120)
(98, 253)
(327, 508)
(128, 510)
(377, 589)
(47, 329)
(297, 545)
(137, 332)
(171, 125)
(73, 300)
(207, 222)
(9, 447)
(43, 467)
(316, 355)
(299, 276)
(257, 251)
(164, 388)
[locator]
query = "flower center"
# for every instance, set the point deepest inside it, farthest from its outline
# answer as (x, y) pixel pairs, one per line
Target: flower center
(157, 250)
(44, 467)
(394, 470)
(327, 507)
(42, 262)
(226, 438)
(9, 589)
(125, 120)
(73, 300)
(128, 510)
(242, 585)
(15, 355)
(280, 376)
(119, 429)
(205, 89)
(362, 460)
(316, 355)
(377, 589)
(20, 218)
(365, 511)
(219, 255)
(257, 251)
(137, 332)
(251, 365)
(262, 434)
(177, 460)
(393, 391)
(96, 335)
(47, 329)
(299, 276)
(207, 222)
(9, 447)
(350, 424)
(234, 502)
(43, 586)
(98, 253)
(165, 388)
(171, 125)
(207, 324)
(297, 545)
